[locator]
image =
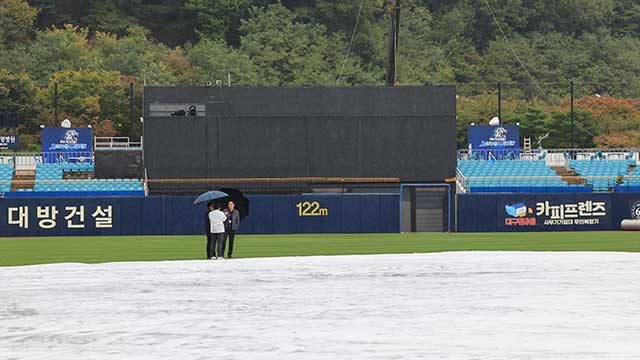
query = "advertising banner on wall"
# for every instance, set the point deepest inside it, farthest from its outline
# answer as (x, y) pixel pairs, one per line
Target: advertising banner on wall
(545, 211)
(67, 140)
(487, 137)
(9, 142)
(176, 215)
(555, 213)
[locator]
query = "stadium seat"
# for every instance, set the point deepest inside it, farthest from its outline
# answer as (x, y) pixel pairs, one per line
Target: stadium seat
(509, 175)
(49, 178)
(601, 174)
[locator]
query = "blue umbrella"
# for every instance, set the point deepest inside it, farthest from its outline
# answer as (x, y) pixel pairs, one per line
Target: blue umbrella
(210, 196)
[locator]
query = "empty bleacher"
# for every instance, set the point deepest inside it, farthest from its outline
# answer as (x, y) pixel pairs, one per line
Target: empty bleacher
(603, 175)
(512, 175)
(50, 178)
(6, 175)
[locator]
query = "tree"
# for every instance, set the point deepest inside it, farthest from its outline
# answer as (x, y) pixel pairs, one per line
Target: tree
(214, 61)
(339, 17)
(420, 59)
(88, 97)
(59, 50)
(533, 120)
(289, 52)
(17, 95)
(16, 22)
(611, 114)
(134, 54)
(220, 19)
(560, 132)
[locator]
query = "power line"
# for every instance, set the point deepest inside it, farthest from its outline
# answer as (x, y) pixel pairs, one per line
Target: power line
(515, 54)
(353, 35)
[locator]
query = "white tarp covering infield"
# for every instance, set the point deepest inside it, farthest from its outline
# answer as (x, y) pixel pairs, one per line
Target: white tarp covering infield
(478, 305)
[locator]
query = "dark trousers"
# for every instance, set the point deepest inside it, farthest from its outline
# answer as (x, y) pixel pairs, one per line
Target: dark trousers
(216, 246)
(231, 235)
(209, 240)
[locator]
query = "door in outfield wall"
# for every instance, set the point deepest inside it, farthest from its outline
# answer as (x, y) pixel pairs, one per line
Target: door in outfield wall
(425, 208)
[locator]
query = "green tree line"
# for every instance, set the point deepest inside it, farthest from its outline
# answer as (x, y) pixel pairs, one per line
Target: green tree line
(93, 49)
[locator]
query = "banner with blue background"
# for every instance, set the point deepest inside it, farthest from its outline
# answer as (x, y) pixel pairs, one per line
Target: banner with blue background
(70, 143)
(487, 137)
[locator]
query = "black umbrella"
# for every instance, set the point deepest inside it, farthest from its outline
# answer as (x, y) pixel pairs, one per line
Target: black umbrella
(238, 198)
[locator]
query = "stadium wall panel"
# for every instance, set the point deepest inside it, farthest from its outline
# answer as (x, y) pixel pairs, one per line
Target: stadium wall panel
(175, 215)
(545, 211)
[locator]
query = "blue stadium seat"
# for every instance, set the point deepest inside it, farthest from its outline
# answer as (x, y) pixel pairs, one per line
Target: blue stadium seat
(510, 175)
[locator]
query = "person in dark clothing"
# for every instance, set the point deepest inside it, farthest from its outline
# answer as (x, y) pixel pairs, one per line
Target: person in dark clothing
(231, 225)
(207, 229)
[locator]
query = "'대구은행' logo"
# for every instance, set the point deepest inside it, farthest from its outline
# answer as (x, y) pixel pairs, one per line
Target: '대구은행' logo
(518, 215)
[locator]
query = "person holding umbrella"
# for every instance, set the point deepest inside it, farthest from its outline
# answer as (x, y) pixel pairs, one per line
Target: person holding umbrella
(231, 225)
(217, 219)
(213, 242)
(207, 229)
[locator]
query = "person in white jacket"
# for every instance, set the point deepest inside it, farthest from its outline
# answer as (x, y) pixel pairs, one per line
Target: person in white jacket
(216, 220)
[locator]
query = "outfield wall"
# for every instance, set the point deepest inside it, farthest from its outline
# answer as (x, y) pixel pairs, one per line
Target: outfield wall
(175, 215)
(508, 212)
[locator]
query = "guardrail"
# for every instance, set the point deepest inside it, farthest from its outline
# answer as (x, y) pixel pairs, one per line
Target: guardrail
(552, 156)
(115, 142)
(462, 180)
(29, 160)
(611, 182)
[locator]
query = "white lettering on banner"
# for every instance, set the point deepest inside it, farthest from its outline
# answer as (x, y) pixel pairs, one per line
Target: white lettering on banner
(104, 217)
(47, 214)
(73, 211)
(23, 216)
(571, 211)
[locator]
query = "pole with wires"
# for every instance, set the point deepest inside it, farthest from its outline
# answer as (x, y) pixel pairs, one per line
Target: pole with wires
(573, 137)
(394, 29)
(500, 100)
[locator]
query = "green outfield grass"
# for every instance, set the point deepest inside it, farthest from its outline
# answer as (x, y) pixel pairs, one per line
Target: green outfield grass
(26, 251)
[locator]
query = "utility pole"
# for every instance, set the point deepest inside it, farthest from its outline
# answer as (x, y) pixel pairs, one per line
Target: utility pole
(55, 102)
(500, 100)
(573, 138)
(394, 29)
(131, 102)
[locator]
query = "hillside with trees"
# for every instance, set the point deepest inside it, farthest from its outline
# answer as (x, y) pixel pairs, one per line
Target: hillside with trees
(93, 50)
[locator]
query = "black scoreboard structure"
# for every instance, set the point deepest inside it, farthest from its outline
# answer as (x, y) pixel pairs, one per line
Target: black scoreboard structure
(403, 133)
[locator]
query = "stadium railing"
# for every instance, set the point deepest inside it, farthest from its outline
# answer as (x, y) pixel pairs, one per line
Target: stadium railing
(553, 157)
(115, 142)
(615, 183)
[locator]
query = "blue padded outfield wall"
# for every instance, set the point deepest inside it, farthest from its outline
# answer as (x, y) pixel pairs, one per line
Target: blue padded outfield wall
(175, 215)
(545, 211)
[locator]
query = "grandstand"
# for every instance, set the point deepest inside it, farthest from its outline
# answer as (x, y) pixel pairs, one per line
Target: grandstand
(6, 175)
(27, 175)
(551, 171)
